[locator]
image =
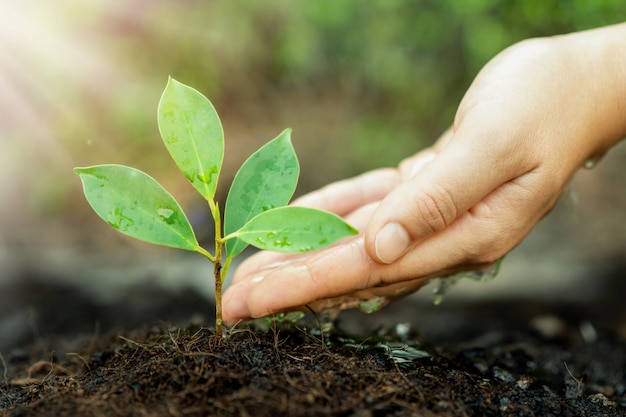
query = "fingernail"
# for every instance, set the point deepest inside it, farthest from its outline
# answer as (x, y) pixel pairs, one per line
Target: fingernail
(391, 242)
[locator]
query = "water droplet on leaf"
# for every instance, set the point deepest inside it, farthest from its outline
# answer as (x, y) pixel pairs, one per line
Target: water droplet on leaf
(281, 242)
(207, 177)
(119, 221)
(166, 214)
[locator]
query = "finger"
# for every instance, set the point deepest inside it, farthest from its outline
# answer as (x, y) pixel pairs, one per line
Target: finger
(340, 277)
(474, 241)
(483, 234)
(327, 273)
(456, 179)
(369, 299)
(263, 261)
(374, 298)
(345, 196)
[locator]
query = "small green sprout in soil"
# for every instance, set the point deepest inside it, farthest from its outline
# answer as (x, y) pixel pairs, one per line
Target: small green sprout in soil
(256, 211)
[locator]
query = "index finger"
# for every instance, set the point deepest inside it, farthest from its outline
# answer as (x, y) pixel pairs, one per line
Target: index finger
(345, 196)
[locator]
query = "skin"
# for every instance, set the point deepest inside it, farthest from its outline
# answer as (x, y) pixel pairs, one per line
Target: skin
(532, 117)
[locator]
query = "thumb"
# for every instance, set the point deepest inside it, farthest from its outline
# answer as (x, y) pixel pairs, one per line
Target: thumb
(460, 176)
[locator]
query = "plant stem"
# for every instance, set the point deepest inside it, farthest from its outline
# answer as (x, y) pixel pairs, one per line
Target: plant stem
(217, 270)
(217, 267)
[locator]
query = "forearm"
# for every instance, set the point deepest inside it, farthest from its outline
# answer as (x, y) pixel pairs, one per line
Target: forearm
(601, 55)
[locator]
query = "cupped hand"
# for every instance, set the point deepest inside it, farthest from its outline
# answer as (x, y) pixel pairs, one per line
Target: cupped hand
(525, 125)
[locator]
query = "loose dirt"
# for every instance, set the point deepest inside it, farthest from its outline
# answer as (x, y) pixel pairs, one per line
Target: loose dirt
(507, 358)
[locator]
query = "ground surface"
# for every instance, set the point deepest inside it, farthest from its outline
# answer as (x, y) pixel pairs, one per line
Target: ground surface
(510, 358)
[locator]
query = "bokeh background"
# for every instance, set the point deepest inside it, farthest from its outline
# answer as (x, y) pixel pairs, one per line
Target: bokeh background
(362, 84)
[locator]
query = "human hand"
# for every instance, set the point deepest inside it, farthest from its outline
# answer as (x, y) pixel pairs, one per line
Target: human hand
(531, 118)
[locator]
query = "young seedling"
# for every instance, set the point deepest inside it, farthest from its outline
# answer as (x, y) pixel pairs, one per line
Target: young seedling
(256, 211)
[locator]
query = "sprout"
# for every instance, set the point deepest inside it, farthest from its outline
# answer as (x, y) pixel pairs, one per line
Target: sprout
(256, 211)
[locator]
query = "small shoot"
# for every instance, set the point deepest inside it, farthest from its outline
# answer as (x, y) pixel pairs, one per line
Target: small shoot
(256, 211)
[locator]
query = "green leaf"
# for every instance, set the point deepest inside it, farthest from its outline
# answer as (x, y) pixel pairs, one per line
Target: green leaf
(265, 181)
(294, 229)
(135, 204)
(193, 135)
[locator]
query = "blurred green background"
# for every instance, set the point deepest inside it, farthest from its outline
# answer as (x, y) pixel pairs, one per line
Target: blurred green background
(362, 84)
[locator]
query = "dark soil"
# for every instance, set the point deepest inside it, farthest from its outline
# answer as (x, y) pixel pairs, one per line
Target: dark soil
(508, 358)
